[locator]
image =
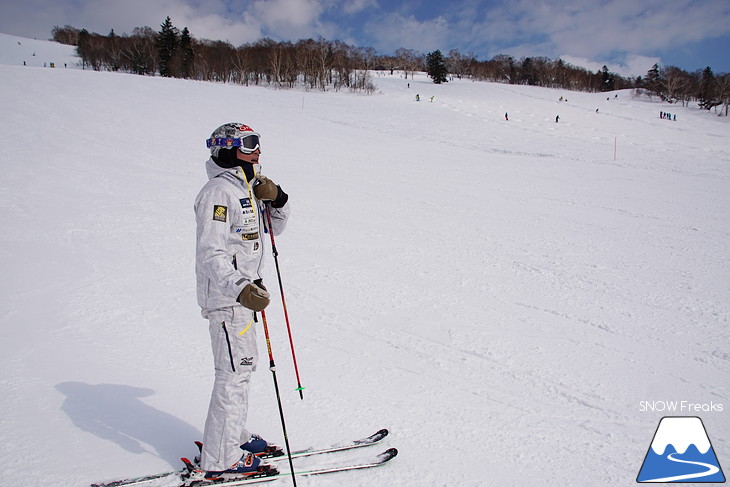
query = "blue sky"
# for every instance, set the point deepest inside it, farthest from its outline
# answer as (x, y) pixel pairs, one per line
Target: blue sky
(627, 35)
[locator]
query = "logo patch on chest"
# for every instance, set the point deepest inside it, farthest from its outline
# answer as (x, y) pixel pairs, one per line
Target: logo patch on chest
(250, 226)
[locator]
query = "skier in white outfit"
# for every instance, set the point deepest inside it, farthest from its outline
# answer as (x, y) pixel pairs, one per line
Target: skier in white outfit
(229, 212)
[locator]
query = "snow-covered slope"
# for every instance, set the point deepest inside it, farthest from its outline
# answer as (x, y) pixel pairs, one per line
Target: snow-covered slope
(16, 51)
(501, 294)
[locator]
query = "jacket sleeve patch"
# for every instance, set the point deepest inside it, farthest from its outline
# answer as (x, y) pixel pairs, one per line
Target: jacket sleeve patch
(220, 213)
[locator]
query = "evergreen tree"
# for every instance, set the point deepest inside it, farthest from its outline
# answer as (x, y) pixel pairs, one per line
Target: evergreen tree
(607, 79)
(436, 67)
(113, 52)
(186, 54)
(652, 81)
(166, 46)
(527, 73)
(707, 95)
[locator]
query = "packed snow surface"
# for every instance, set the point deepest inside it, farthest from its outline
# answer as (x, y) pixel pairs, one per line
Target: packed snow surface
(505, 296)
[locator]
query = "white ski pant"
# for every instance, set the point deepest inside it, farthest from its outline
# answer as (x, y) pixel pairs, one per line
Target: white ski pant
(233, 337)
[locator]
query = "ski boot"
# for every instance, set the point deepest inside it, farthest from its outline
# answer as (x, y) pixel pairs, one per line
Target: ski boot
(256, 445)
(249, 466)
(262, 448)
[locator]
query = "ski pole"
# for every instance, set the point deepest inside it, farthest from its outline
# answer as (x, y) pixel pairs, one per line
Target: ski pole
(283, 303)
(272, 368)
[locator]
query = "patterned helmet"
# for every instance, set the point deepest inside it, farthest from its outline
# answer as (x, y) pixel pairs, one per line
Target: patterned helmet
(233, 134)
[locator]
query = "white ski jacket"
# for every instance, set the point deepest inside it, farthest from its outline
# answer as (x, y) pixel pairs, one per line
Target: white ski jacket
(230, 236)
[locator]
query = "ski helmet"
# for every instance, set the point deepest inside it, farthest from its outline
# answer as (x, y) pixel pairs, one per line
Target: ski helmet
(231, 135)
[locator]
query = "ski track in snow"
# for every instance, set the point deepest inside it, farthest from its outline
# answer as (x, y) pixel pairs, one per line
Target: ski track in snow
(500, 295)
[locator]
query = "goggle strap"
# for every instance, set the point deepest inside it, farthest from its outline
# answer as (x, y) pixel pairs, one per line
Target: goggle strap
(226, 142)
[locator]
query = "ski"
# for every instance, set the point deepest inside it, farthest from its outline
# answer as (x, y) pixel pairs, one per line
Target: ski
(376, 461)
(142, 480)
(368, 441)
(146, 479)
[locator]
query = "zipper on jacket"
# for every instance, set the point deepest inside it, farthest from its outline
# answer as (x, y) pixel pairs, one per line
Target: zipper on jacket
(228, 340)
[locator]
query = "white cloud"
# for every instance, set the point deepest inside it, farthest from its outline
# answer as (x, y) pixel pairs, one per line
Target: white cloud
(587, 28)
(290, 19)
(287, 13)
(236, 21)
(15, 20)
(215, 27)
(636, 65)
(351, 7)
(394, 31)
(211, 20)
(630, 66)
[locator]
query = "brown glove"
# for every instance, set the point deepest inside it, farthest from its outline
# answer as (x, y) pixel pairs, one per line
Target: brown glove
(254, 297)
(266, 190)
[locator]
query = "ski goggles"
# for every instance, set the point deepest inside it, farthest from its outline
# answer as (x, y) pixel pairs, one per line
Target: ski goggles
(246, 144)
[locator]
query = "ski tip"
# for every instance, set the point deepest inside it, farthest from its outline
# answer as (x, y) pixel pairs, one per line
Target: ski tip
(388, 454)
(374, 438)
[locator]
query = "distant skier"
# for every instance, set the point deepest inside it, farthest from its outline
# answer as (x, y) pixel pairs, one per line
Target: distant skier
(418, 97)
(229, 212)
(506, 116)
(557, 117)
